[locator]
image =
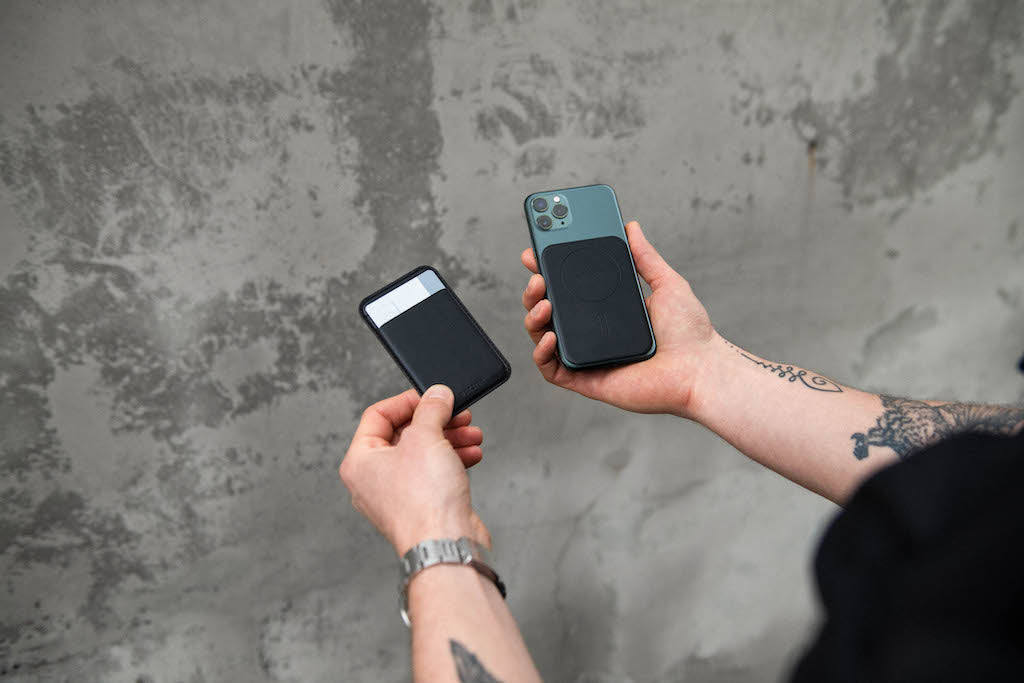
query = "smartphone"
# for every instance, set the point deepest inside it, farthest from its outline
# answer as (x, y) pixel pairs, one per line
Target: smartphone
(597, 306)
(433, 337)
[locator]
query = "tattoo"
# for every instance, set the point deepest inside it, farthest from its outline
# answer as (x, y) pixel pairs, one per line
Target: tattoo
(907, 426)
(793, 373)
(468, 667)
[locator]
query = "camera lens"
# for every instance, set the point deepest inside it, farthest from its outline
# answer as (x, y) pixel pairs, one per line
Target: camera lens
(560, 211)
(540, 204)
(544, 222)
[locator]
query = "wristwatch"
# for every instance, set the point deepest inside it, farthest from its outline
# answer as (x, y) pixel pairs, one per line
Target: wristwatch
(463, 551)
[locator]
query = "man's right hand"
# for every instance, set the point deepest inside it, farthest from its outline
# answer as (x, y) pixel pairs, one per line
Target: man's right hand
(664, 383)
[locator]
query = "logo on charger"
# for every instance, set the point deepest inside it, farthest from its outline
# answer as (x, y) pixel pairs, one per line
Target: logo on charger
(464, 393)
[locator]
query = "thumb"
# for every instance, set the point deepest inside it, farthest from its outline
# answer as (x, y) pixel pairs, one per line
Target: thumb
(649, 263)
(435, 408)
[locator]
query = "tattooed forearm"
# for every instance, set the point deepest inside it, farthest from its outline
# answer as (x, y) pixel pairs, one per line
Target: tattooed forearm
(793, 373)
(468, 667)
(907, 426)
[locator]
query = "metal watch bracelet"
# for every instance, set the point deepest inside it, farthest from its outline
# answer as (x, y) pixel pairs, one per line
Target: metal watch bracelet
(464, 551)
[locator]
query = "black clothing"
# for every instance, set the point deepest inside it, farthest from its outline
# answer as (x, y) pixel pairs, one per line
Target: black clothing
(921, 577)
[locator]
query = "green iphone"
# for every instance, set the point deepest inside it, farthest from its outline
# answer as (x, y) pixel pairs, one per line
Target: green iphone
(597, 307)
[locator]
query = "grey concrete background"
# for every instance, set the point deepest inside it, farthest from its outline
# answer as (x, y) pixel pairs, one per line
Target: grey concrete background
(194, 197)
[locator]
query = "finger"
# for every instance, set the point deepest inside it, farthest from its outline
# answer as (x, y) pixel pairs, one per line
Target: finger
(381, 420)
(536, 321)
(534, 291)
(398, 434)
(529, 260)
(464, 436)
(649, 263)
(435, 408)
(547, 362)
(460, 420)
(470, 455)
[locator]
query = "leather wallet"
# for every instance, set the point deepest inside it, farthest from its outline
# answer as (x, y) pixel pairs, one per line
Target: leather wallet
(433, 338)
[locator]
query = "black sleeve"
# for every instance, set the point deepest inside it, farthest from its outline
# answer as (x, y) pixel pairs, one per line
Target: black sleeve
(921, 578)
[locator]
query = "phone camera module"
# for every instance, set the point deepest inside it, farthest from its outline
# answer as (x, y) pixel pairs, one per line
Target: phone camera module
(560, 211)
(543, 222)
(540, 204)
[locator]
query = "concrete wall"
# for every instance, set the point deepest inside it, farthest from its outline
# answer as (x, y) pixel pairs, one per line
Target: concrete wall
(194, 197)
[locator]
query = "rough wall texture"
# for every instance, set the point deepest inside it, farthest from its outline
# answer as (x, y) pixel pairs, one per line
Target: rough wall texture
(194, 197)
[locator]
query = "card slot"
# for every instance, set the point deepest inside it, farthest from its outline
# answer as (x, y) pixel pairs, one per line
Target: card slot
(402, 298)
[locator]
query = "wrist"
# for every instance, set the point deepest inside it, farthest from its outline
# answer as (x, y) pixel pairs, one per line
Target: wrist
(462, 577)
(707, 380)
(462, 553)
(452, 527)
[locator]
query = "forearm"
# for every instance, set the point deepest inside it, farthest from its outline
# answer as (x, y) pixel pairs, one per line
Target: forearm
(463, 631)
(817, 432)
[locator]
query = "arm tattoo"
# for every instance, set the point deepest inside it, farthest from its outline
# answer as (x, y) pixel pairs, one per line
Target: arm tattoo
(907, 426)
(468, 667)
(793, 373)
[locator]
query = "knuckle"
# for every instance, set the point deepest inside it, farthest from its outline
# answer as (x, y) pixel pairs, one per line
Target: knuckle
(347, 471)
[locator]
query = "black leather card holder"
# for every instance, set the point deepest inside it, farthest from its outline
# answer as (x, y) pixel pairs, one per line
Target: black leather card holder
(437, 341)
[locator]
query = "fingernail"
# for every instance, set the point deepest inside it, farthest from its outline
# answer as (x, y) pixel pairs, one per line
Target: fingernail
(438, 391)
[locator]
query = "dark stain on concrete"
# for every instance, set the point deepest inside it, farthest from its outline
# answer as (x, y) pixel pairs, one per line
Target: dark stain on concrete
(600, 111)
(527, 82)
(520, 11)
(536, 160)
(28, 441)
(777, 647)
(750, 104)
(749, 158)
(592, 97)
(937, 99)
(399, 143)
(713, 670)
(115, 175)
(618, 459)
(1009, 296)
(61, 526)
(895, 334)
(481, 13)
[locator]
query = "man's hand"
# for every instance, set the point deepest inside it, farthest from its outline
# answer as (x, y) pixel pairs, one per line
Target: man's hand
(406, 469)
(662, 384)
